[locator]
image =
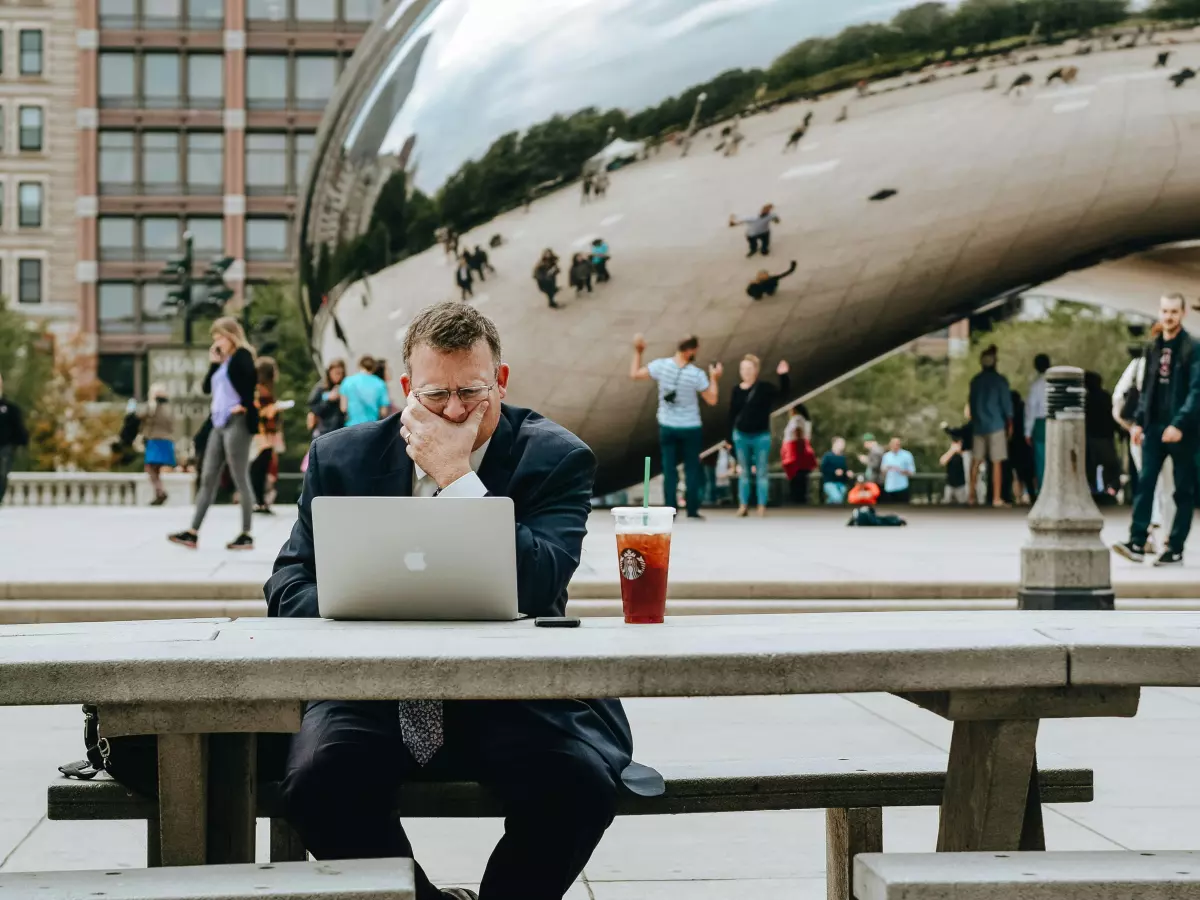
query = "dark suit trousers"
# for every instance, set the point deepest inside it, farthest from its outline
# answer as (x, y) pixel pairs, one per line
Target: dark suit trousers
(558, 794)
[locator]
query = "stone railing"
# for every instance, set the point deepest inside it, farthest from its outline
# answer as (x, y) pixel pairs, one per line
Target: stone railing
(94, 489)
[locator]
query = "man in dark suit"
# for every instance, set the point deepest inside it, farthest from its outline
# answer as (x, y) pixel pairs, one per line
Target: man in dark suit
(555, 765)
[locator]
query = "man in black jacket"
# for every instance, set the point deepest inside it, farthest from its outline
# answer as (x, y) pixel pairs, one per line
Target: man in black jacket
(555, 765)
(1166, 425)
(12, 436)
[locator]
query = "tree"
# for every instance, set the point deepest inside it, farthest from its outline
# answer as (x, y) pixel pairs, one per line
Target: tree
(1175, 9)
(69, 428)
(925, 26)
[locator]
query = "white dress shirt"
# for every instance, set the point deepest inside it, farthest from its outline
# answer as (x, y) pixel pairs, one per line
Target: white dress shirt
(468, 485)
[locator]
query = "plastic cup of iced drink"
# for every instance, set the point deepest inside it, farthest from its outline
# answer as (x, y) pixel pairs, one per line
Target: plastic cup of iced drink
(643, 557)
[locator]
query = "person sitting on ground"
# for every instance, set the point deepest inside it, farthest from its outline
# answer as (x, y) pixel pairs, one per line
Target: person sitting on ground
(835, 473)
(766, 284)
(554, 765)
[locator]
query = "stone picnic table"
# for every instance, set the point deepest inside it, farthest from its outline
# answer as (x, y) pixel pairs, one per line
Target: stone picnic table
(206, 687)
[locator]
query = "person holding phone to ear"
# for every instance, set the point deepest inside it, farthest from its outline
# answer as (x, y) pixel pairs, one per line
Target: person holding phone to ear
(231, 380)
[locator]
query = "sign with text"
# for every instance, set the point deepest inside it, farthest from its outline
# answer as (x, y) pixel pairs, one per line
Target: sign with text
(181, 370)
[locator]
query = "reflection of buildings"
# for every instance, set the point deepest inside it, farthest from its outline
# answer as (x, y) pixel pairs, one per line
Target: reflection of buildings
(353, 188)
(37, 169)
(195, 115)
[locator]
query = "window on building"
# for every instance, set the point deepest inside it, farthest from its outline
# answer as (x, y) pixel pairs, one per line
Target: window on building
(118, 85)
(116, 308)
(1, 51)
(206, 81)
(1, 108)
(30, 127)
(116, 165)
(268, 10)
(31, 51)
(157, 316)
(160, 237)
(267, 239)
(160, 162)
(266, 163)
(205, 162)
(117, 371)
(208, 236)
(360, 10)
(162, 13)
(120, 15)
(266, 81)
(315, 10)
(315, 78)
(161, 81)
(301, 152)
(206, 14)
(29, 204)
(29, 281)
(116, 238)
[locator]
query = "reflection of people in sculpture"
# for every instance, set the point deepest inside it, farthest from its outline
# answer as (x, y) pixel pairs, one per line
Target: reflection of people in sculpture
(758, 229)
(478, 261)
(1019, 84)
(734, 140)
(794, 141)
(587, 189)
(545, 273)
(580, 274)
(600, 184)
(765, 284)
(1065, 74)
(462, 276)
(451, 242)
(1163, 58)
(1182, 76)
(992, 83)
(600, 259)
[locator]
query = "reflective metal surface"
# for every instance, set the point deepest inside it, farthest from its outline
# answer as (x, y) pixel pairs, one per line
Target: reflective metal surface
(485, 115)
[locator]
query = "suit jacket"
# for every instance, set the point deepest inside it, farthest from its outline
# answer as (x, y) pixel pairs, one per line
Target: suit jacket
(547, 471)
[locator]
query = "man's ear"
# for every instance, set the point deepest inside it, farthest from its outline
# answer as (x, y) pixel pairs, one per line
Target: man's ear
(405, 384)
(502, 374)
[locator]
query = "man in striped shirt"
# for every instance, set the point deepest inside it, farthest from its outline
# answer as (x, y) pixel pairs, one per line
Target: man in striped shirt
(681, 384)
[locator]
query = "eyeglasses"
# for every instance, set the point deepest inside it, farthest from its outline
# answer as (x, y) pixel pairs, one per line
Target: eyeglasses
(436, 400)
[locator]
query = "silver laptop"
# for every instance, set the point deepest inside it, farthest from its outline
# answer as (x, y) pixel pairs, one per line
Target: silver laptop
(416, 558)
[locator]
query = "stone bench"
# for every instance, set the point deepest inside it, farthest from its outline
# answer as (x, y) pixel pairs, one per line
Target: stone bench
(853, 791)
(362, 879)
(1118, 875)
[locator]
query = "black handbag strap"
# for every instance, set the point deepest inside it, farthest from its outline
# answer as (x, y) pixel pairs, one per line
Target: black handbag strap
(96, 747)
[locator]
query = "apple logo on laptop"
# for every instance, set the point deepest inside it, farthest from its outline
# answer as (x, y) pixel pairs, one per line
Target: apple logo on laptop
(414, 562)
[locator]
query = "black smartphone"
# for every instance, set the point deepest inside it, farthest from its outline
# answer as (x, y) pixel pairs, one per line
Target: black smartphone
(556, 622)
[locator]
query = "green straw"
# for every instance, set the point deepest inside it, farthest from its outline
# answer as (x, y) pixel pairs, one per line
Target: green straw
(646, 493)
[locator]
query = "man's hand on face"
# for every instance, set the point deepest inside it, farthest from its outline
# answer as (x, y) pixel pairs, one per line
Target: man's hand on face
(440, 447)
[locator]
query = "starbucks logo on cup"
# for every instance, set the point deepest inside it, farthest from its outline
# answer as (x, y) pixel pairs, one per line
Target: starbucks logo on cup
(633, 564)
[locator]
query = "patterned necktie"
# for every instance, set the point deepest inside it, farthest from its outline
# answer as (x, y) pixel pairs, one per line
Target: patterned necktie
(421, 728)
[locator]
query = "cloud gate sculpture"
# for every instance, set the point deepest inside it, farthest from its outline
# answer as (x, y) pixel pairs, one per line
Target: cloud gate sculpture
(908, 190)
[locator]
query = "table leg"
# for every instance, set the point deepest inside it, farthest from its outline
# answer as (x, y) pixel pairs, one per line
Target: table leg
(1033, 833)
(232, 797)
(987, 785)
(849, 832)
(183, 799)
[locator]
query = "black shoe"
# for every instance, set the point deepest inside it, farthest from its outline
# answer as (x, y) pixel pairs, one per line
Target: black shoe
(1170, 558)
(264, 510)
(159, 500)
(459, 894)
(241, 542)
(1132, 552)
(695, 516)
(183, 539)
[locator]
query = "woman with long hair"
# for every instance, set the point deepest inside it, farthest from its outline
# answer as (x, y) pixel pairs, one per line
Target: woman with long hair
(231, 380)
(158, 430)
(268, 440)
(750, 406)
(325, 402)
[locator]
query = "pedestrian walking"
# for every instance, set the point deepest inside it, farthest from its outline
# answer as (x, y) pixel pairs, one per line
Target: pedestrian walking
(751, 403)
(1165, 426)
(1035, 420)
(758, 229)
(365, 395)
(1019, 476)
(586, 196)
(1101, 462)
(898, 467)
(268, 440)
(681, 385)
(580, 274)
(231, 382)
(158, 432)
(13, 434)
(600, 259)
(545, 273)
(796, 455)
(991, 418)
(1126, 396)
(463, 277)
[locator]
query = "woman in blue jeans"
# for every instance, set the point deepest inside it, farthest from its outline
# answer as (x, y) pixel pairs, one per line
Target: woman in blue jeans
(750, 427)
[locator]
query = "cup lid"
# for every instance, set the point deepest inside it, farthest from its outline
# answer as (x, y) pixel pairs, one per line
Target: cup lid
(642, 510)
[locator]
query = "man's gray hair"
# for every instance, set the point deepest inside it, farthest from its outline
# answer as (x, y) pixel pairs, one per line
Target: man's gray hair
(1176, 298)
(450, 327)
